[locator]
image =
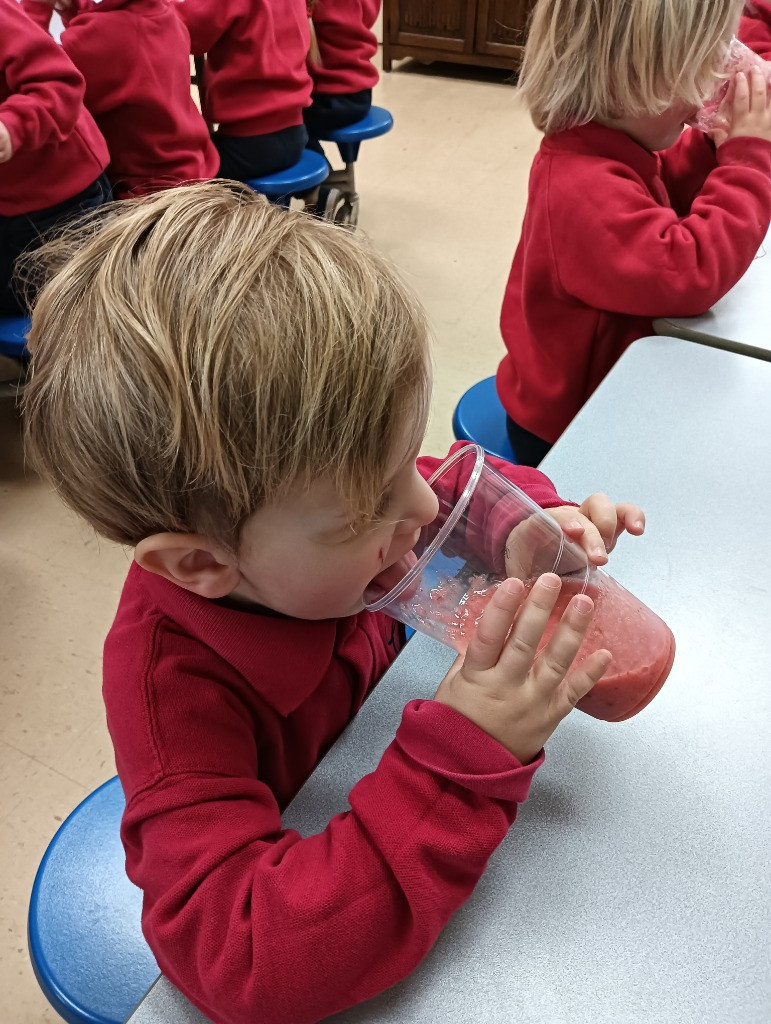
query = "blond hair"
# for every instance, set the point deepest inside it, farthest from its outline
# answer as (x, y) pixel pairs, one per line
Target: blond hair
(605, 59)
(198, 351)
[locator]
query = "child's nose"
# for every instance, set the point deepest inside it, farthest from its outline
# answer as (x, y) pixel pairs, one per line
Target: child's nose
(427, 505)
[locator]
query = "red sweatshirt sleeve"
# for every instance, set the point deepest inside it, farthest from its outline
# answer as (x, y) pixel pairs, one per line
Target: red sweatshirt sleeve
(488, 529)
(208, 20)
(46, 89)
(630, 254)
(255, 923)
(685, 166)
(755, 27)
(346, 45)
(39, 11)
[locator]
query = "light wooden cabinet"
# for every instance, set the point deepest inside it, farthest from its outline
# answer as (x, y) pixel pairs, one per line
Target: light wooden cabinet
(487, 33)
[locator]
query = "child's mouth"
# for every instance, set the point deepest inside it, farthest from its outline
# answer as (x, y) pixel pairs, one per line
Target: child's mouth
(388, 578)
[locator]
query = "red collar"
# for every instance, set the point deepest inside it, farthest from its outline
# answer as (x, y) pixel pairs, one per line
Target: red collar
(283, 659)
(598, 140)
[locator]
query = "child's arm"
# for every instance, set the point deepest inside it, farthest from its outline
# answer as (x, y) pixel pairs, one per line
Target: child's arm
(207, 21)
(685, 166)
(254, 922)
(755, 28)
(46, 89)
(629, 254)
(595, 526)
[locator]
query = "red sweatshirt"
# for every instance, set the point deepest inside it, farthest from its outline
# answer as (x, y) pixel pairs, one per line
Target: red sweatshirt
(346, 45)
(40, 12)
(217, 717)
(256, 80)
(134, 56)
(57, 148)
(614, 236)
(755, 27)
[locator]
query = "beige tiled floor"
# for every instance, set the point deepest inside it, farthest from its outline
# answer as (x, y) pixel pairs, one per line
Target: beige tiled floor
(443, 194)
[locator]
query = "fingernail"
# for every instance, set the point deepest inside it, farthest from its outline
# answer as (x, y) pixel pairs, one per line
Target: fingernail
(575, 524)
(638, 523)
(551, 580)
(583, 604)
(598, 552)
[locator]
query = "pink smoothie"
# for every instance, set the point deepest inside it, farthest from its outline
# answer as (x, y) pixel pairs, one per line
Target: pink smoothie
(642, 645)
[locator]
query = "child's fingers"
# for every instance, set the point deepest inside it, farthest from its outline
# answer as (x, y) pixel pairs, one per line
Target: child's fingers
(579, 682)
(522, 645)
(741, 95)
(630, 518)
(602, 512)
(486, 644)
(758, 91)
(580, 529)
(557, 657)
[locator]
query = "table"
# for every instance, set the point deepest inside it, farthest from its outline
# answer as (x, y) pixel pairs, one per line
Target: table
(740, 321)
(635, 885)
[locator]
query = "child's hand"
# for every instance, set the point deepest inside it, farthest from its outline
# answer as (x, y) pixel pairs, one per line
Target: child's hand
(503, 688)
(749, 107)
(597, 524)
(6, 146)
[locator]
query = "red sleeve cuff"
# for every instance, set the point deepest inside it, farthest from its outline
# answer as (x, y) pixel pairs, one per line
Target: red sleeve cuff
(746, 151)
(448, 744)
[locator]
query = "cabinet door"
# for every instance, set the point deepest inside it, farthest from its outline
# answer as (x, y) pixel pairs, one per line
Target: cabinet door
(436, 24)
(502, 26)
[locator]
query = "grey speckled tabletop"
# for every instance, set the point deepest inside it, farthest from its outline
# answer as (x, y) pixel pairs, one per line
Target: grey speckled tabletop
(635, 885)
(740, 321)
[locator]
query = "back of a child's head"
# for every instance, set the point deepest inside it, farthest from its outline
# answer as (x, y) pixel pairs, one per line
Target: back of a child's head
(197, 352)
(606, 59)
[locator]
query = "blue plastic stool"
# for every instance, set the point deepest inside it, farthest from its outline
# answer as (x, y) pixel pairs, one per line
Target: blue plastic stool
(339, 201)
(480, 417)
(84, 933)
(13, 336)
(308, 173)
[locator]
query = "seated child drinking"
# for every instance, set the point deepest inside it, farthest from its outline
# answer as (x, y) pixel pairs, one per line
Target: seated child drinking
(239, 394)
(342, 70)
(52, 156)
(627, 219)
(135, 58)
(255, 82)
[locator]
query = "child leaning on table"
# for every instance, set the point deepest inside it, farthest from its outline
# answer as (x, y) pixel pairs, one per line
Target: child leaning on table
(239, 393)
(627, 219)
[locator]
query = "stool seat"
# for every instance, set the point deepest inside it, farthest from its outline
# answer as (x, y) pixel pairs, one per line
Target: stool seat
(377, 121)
(13, 336)
(84, 928)
(309, 171)
(480, 417)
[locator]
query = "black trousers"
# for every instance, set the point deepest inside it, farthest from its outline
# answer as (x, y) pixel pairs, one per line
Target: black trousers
(243, 157)
(27, 231)
(329, 111)
(528, 448)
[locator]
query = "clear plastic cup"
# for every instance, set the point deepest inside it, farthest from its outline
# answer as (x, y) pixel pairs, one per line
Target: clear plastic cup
(488, 529)
(715, 113)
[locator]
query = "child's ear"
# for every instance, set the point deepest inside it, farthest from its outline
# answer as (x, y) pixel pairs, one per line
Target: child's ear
(191, 561)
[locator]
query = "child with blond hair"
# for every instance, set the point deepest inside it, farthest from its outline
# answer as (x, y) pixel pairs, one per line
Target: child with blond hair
(239, 394)
(628, 217)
